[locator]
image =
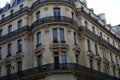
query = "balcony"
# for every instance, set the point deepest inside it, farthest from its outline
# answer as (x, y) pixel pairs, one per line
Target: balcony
(14, 33)
(52, 19)
(15, 14)
(52, 68)
(80, 10)
(98, 38)
(38, 2)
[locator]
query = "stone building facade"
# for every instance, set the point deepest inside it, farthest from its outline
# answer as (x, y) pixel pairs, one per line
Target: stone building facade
(56, 40)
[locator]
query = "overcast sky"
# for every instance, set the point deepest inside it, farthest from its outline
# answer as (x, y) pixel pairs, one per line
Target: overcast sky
(110, 7)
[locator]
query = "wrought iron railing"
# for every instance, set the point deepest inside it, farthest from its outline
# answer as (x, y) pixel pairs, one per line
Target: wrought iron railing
(38, 2)
(15, 14)
(98, 38)
(14, 33)
(54, 19)
(61, 67)
(96, 21)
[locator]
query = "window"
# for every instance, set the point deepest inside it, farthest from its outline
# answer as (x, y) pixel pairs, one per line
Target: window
(20, 45)
(9, 28)
(111, 57)
(116, 60)
(96, 49)
(19, 66)
(101, 34)
(0, 53)
(93, 28)
(21, 6)
(108, 39)
(57, 12)
(99, 66)
(38, 15)
(77, 58)
(55, 35)
(106, 68)
(91, 63)
(75, 39)
(86, 24)
(114, 71)
(39, 60)
(63, 57)
(1, 32)
(72, 15)
(19, 24)
(62, 35)
(113, 43)
(11, 12)
(9, 49)
(8, 69)
(3, 16)
(88, 43)
(39, 38)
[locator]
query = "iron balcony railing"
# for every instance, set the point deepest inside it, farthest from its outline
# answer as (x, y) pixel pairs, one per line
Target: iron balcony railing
(38, 2)
(98, 38)
(60, 67)
(14, 33)
(54, 19)
(96, 21)
(15, 14)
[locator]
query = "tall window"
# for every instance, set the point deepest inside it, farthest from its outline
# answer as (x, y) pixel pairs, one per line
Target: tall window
(9, 49)
(19, 24)
(1, 33)
(3, 16)
(9, 28)
(111, 57)
(20, 45)
(19, 66)
(93, 29)
(91, 63)
(39, 38)
(21, 6)
(99, 66)
(114, 74)
(88, 43)
(8, 69)
(62, 39)
(108, 39)
(38, 15)
(77, 58)
(75, 38)
(96, 49)
(101, 34)
(0, 52)
(72, 15)
(55, 35)
(57, 12)
(63, 57)
(11, 12)
(116, 60)
(86, 24)
(39, 60)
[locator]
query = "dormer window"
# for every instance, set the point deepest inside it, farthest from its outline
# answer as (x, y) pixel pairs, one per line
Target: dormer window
(3, 16)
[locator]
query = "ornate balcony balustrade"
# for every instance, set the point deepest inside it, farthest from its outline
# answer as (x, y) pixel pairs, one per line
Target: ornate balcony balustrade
(54, 19)
(80, 10)
(61, 67)
(14, 33)
(15, 14)
(38, 2)
(98, 38)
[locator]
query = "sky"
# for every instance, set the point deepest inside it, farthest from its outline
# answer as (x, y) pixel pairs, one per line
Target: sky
(109, 7)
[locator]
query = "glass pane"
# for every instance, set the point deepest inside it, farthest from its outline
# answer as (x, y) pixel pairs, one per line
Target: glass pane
(39, 59)
(55, 35)
(63, 56)
(62, 35)
(57, 12)
(39, 38)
